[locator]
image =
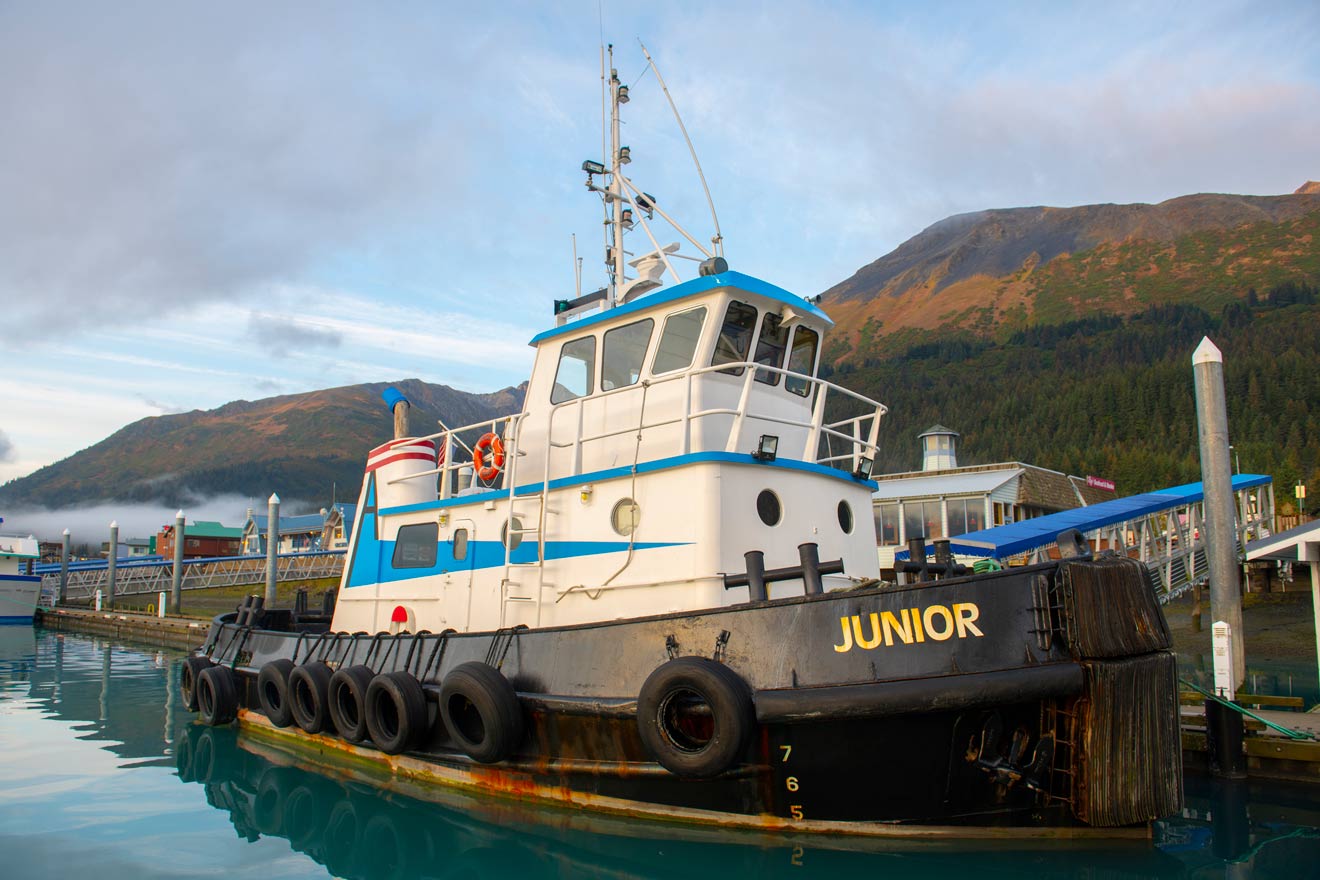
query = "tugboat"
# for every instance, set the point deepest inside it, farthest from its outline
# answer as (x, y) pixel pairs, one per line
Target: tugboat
(655, 592)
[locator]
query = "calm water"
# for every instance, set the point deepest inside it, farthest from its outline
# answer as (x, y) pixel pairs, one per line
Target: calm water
(103, 775)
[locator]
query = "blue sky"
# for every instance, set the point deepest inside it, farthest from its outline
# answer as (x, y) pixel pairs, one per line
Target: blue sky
(202, 203)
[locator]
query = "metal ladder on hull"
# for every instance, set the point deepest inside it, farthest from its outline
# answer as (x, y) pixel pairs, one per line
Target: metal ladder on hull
(515, 589)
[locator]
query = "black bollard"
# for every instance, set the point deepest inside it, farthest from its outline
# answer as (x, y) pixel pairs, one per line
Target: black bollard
(1223, 733)
(810, 556)
(756, 591)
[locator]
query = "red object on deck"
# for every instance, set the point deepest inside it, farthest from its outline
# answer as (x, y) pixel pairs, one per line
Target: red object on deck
(400, 615)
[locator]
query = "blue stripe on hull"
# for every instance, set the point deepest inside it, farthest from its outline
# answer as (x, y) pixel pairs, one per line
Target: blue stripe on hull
(480, 555)
(19, 618)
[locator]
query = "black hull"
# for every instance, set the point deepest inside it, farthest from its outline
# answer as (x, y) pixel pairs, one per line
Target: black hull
(1033, 698)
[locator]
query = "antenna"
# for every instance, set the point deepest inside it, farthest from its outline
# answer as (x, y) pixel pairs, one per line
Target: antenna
(718, 239)
(577, 268)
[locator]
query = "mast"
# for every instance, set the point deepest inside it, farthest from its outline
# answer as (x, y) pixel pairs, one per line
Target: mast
(615, 191)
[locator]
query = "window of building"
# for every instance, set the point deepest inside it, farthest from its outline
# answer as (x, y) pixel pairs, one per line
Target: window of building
(802, 359)
(678, 341)
(770, 347)
(192, 542)
(966, 515)
(921, 519)
(415, 546)
(886, 525)
(577, 365)
(735, 337)
(622, 354)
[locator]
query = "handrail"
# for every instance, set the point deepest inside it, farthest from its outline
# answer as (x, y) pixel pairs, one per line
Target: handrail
(849, 430)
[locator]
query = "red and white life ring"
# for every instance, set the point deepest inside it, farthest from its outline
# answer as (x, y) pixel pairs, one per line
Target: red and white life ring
(492, 444)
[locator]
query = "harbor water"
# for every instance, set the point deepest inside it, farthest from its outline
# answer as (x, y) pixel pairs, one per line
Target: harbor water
(104, 774)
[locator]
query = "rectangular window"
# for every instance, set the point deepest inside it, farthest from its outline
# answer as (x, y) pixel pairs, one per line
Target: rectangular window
(975, 514)
(886, 525)
(577, 366)
(735, 338)
(770, 347)
(622, 354)
(415, 546)
(913, 525)
(678, 342)
(957, 516)
(933, 521)
(802, 359)
(460, 544)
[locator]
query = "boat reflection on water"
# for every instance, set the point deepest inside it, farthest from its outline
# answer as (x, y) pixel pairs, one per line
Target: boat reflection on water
(359, 830)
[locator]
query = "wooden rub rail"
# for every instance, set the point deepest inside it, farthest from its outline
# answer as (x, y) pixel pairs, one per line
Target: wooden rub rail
(165, 632)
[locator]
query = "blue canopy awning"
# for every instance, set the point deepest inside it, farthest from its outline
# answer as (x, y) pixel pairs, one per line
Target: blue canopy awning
(1004, 541)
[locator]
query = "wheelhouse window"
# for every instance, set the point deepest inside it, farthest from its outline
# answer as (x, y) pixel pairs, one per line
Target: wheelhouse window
(415, 546)
(802, 359)
(770, 347)
(623, 353)
(678, 341)
(577, 366)
(735, 338)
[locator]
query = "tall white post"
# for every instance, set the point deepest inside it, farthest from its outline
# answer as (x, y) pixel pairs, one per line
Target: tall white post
(272, 547)
(176, 580)
(1217, 483)
(64, 569)
(111, 558)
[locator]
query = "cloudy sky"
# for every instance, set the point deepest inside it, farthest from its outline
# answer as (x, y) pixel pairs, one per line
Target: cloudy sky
(206, 202)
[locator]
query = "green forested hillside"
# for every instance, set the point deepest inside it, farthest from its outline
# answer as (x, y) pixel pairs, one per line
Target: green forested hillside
(1113, 396)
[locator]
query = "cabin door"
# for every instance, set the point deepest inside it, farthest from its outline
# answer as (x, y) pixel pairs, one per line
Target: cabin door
(458, 584)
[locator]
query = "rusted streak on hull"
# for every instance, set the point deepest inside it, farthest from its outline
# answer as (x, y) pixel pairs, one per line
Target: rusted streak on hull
(486, 786)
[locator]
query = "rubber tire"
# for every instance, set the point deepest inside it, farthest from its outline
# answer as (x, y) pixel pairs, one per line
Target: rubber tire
(309, 688)
(730, 704)
(477, 692)
(191, 668)
(273, 691)
(348, 701)
(339, 842)
(304, 815)
(396, 712)
(184, 756)
(217, 696)
(268, 802)
(205, 768)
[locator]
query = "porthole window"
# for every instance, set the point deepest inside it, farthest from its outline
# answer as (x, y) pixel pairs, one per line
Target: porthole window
(508, 540)
(845, 517)
(767, 507)
(625, 516)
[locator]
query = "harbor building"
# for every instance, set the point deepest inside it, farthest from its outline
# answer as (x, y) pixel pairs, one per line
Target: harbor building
(201, 540)
(943, 500)
(298, 534)
(337, 526)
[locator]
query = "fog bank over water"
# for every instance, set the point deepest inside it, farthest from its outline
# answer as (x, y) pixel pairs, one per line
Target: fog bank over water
(136, 520)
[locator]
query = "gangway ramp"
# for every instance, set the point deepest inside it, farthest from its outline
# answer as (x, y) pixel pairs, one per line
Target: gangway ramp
(1164, 529)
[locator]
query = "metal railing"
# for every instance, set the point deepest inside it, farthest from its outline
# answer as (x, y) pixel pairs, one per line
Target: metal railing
(858, 434)
(134, 578)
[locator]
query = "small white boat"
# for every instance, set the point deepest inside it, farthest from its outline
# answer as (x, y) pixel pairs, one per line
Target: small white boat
(19, 587)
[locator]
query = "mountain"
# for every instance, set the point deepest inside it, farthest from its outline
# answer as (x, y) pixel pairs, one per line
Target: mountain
(1063, 336)
(996, 271)
(297, 445)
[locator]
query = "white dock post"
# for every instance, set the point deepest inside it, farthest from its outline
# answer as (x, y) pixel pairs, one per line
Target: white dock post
(1217, 483)
(176, 579)
(64, 569)
(160, 606)
(111, 558)
(272, 547)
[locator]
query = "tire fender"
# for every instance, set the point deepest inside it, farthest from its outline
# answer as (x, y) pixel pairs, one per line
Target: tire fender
(396, 712)
(273, 691)
(217, 695)
(481, 711)
(309, 687)
(700, 744)
(191, 667)
(348, 701)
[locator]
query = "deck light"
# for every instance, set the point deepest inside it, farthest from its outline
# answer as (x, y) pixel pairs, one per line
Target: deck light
(625, 155)
(592, 167)
(766, 448)
(713, 266)
(627, 220)
(864, 467)
(623, 94)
